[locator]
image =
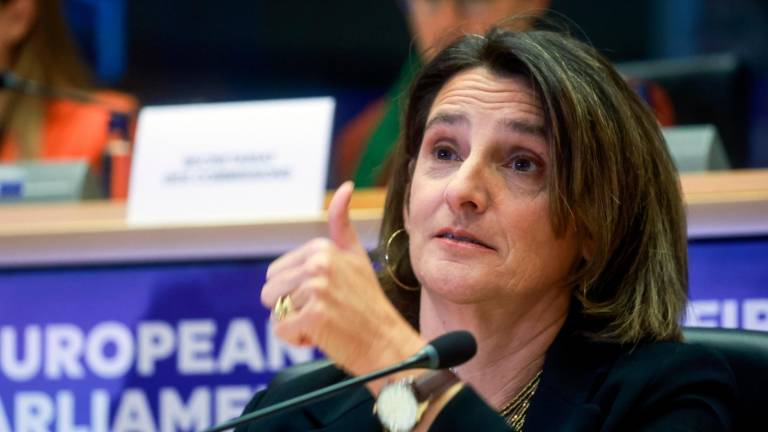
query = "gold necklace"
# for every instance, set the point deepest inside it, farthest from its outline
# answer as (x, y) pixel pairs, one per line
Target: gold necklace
(515, 410)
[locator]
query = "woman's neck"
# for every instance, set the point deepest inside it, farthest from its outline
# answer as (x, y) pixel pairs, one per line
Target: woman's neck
(512, 339)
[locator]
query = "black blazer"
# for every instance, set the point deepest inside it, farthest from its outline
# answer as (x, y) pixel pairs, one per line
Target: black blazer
(585, 386)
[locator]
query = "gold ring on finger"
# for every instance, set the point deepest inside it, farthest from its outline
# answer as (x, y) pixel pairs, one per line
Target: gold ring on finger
(283, 307)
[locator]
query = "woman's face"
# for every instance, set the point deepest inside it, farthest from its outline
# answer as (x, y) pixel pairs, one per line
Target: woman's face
(478, 213)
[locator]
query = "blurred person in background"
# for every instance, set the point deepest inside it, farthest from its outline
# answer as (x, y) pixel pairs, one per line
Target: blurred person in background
(363, 147)
(36, 45)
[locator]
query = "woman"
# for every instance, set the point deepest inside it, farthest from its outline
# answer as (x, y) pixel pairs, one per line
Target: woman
(35, 45)
(535, 205)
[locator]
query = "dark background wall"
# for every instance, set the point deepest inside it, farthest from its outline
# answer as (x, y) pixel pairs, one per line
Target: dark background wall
(262, 48)
(175, 51)
(199, 49)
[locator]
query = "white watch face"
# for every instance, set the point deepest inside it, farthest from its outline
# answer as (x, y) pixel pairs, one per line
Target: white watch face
(397, 407)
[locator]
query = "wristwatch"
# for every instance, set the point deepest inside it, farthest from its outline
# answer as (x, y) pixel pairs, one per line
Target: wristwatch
(401, 403)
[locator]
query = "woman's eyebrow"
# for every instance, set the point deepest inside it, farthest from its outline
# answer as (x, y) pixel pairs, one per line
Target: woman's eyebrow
(523, 126)
(446, 119)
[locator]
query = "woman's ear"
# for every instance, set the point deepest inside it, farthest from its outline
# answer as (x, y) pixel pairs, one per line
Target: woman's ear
(406, 218)
(407, 197)
(588, 247)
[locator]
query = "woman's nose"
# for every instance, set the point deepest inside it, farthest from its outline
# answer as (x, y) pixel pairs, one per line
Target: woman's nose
(467, 188)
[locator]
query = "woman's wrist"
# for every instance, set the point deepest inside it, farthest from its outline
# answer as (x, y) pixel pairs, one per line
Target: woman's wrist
(390, 350)
(403, 403)
(436, 406)
(375, 386)
(389, 339)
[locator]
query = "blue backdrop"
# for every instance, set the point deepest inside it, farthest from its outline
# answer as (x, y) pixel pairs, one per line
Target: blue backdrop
(729, 283)
(138, 348)
(181, 346)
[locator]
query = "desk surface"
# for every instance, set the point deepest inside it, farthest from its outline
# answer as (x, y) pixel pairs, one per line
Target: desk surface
(719, 204)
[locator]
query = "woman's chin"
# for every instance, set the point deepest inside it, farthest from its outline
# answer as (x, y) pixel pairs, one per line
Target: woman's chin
(459, 291)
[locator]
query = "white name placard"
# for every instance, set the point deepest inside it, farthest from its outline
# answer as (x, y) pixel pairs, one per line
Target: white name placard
(230, 162)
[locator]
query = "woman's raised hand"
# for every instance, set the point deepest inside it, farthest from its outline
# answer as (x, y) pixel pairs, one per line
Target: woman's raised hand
(338, 303)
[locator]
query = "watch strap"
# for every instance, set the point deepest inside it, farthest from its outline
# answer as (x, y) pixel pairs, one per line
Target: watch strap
(433, 383)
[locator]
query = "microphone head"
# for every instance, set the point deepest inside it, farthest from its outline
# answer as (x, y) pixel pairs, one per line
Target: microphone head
(454, 348)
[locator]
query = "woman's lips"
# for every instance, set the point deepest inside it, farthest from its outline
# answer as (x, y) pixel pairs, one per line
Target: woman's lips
(461, 237)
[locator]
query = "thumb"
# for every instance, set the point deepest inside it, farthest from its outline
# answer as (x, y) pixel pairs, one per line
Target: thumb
(342, 231)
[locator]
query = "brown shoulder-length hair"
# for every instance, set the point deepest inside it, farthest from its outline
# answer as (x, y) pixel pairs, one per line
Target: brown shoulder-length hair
(612, 180)
(49, 56)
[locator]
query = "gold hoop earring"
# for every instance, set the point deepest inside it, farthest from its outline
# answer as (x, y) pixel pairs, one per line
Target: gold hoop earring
(389, 266)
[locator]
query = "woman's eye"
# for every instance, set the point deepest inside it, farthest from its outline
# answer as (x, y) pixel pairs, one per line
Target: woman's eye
(442, 153)
(523, 164)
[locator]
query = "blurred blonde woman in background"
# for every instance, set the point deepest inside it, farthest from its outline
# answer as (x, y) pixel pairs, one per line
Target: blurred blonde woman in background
(36, 45)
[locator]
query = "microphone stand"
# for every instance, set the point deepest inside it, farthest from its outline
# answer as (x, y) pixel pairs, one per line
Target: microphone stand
(11, 81)
(446, 351)
(316, 395)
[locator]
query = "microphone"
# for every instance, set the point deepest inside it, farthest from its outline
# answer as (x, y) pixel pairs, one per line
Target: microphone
(11, 81)
(448, 350)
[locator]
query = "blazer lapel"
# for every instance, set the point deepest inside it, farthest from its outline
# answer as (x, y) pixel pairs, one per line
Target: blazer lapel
(566, 383)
